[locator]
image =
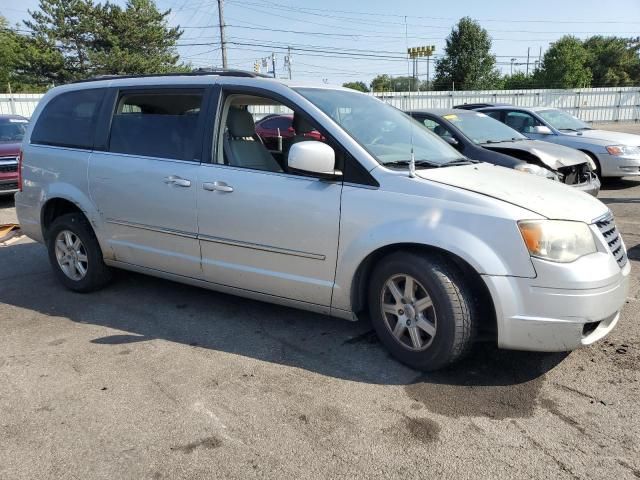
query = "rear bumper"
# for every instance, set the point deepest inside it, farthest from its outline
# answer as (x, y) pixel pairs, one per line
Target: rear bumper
(538, 318)
(29, 218)
(615, 166)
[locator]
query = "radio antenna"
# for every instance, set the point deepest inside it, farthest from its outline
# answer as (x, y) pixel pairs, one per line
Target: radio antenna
(412, 160)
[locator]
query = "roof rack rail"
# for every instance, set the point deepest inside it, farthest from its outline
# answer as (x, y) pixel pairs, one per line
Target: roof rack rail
(196, 73)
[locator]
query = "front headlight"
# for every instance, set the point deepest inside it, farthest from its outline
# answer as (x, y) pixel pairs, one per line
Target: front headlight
(557, 240)
(536, 170)
(619, 150)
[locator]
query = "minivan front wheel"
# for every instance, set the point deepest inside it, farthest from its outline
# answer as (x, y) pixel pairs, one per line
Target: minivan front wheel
(75, 255)
(421, 309)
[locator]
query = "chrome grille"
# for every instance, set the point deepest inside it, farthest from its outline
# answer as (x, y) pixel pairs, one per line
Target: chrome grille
(8, 164)
(608, 229)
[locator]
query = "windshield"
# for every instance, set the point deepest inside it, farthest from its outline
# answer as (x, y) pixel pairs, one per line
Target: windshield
(387, 133)
(480, 128)
(12, 130)
(562, 120)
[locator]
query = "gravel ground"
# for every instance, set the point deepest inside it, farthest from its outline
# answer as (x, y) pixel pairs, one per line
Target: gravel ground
(152, 379)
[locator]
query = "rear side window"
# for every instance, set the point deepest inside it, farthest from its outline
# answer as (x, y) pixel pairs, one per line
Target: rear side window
(157, 124)
(69, 120)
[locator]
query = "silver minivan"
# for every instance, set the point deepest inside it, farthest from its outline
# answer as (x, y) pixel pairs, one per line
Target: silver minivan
(361, 213)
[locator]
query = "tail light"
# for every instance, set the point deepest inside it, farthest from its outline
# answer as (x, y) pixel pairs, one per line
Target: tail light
(20, 171)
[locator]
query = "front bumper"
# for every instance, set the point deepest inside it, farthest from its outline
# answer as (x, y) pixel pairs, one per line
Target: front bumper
(592, 187)
(617, 166)
(535, 317)
(8, 186)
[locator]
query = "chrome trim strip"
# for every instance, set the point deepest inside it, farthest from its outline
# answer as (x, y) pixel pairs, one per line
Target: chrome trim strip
(256, 246)
(223, 241)
(142, 226)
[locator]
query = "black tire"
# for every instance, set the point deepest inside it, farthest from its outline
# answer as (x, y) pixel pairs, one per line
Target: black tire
(453, 306)
(97, 273)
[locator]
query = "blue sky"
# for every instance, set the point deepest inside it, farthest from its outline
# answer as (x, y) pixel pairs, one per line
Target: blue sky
(338, 41)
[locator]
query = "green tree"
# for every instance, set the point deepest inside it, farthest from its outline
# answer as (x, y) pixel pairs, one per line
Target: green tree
(74, 39)
(518, 81)
(360, 86)
(62, 34)
(8, 54)
(613, 61)
(565, 65)
(134, 40)
(387, 83)
(467, 62)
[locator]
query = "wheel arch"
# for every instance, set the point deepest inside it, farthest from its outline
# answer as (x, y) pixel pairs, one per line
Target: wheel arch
(593, 157)
(54, 208)
(482, 297)
(62, 201)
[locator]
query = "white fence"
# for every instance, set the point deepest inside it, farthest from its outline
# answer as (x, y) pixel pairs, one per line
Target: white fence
(19, 103)
(616, 104)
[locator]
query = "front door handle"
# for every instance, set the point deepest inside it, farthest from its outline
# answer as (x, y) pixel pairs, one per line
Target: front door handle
(217, 187)
(177, 181)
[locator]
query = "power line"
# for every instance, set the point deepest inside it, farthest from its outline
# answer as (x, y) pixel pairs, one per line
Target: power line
(387, 14)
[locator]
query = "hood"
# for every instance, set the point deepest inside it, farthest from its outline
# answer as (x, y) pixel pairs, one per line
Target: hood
(605, 137)
(536, 194)
(552, 155)
(9, 149)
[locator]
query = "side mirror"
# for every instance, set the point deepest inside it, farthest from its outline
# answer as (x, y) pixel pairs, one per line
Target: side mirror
(313, 158)
(541, 130)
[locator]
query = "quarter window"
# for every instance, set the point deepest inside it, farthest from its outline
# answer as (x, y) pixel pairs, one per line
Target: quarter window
(157, 124)
(69, 120)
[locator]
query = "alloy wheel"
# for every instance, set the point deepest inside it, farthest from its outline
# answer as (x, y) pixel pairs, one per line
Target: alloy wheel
(71, 255)
(408, 312)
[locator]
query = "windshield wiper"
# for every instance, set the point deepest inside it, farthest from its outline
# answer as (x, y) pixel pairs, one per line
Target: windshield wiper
(405, 163)
(567, 129)
(514, 139)
(585, 128)
(459, 161)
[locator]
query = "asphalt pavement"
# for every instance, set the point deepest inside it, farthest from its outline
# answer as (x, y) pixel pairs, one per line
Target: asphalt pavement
(149, 379)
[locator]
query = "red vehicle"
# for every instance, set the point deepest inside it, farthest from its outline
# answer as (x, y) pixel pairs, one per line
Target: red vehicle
(12, 129)
(285, 126)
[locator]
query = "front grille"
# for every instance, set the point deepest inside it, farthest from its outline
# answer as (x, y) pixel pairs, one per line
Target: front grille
(607, 227)
(575, 174)
(8, 168)
(8, 186)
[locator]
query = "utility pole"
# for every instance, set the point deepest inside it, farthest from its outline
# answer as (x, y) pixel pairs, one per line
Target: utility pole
(273, 64)
(540, 58)
(528, 50)
(223, 43)
(512, 60)
(289, 61)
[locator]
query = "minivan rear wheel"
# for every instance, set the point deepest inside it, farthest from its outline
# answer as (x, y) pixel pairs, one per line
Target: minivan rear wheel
(75, 255)
(422, 310)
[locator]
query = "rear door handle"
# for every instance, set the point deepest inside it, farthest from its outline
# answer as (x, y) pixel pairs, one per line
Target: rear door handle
(177, 181)
(217, 187)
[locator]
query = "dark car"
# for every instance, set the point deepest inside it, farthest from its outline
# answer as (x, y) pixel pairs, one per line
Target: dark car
(12, 129)
(278, 131)
(480, 137)
(474, 106)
